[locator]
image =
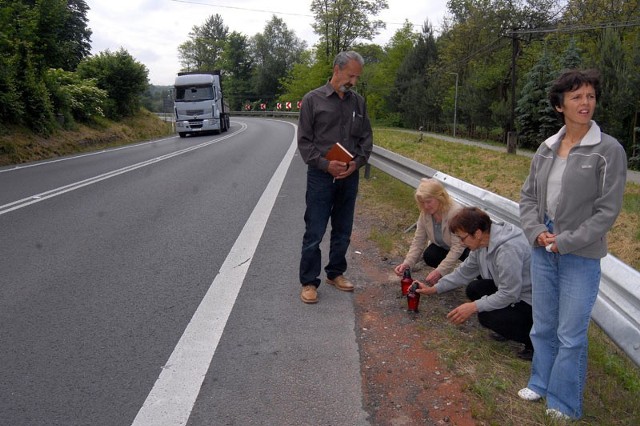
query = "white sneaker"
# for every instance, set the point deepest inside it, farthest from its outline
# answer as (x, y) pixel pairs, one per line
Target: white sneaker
(528, 395)
(557, 415)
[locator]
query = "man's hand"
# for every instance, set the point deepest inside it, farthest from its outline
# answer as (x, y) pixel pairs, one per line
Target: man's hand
(336, 167)
(343, 169)
(462, 313)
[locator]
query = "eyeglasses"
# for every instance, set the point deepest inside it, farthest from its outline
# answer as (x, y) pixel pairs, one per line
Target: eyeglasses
(463, 238)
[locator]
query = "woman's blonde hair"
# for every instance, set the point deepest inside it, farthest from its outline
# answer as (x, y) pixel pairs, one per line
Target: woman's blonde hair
(431, 188)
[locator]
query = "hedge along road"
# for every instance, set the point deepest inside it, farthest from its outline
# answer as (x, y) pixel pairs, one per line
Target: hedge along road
(159, 283)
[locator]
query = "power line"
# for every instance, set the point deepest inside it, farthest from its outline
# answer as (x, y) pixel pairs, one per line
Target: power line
(575, 28)
(241, 8)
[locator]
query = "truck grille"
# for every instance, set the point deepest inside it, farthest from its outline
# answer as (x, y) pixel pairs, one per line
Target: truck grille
(195, 112)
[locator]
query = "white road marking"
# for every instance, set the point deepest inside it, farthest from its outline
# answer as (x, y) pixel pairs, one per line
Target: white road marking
(175, 392)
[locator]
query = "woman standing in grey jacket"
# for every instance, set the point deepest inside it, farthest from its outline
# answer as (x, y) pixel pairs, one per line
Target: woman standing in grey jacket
(569, 201)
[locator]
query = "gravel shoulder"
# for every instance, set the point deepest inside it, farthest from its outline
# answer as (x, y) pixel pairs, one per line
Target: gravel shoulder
(404, 383)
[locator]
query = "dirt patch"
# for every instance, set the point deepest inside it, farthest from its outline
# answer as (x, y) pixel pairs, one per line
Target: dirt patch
(404, 382)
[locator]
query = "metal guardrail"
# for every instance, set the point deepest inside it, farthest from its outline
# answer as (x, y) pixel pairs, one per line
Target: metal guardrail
(617, 308)
(265, 113)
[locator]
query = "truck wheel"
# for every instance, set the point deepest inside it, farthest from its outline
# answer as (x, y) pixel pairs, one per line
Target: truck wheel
(182, 134)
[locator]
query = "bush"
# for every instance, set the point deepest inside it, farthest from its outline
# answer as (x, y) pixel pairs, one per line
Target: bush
(121, 76)
(73, 97)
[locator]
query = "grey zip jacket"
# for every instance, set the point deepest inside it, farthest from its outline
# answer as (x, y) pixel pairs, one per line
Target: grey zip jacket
(506, 261)
(590, 197)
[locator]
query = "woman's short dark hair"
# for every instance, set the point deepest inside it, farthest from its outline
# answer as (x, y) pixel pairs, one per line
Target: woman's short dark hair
(469, 220)
(572, 80)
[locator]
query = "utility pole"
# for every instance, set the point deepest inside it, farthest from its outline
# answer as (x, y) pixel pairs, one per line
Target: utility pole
(511, 134)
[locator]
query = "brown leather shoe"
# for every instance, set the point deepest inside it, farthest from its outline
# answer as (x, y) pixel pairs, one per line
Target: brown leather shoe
(341, 283)
(309, 294)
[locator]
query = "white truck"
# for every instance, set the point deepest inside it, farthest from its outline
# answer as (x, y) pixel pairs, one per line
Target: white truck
(199, 104)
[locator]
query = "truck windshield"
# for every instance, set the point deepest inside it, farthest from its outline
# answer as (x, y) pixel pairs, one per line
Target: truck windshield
(193, 93)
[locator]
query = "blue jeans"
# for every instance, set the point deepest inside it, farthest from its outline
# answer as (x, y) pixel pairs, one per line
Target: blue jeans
(327, 199)
(564, 290)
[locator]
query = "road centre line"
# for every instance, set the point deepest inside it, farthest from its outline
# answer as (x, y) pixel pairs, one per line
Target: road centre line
(174, 393)
(36, 198)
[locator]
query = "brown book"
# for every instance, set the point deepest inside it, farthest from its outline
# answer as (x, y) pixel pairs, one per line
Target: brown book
(339, 153)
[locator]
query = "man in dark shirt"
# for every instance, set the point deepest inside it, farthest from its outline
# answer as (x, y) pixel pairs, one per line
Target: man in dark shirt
(329, 114)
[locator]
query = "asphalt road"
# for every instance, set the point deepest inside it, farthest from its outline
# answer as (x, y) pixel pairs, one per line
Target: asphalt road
(156, 284)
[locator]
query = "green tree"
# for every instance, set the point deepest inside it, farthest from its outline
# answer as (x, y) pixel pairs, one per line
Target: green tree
(339, 23)
(61, 35)
(634, 60)
(305, 76)
(592, 11)
(618, 101)
(77, 34)
(38, 111)
(374, 57)
(10, 106)
(614, 52)
(572, 58)
(121, 76)
(238, 69)
(204, 50)
(533, 104)
(474, 45)
(35, 36)
(380, 78)
(275, 51)
(417, 97)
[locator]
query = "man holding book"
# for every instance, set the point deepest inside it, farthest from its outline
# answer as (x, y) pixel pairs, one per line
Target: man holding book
(334, 140)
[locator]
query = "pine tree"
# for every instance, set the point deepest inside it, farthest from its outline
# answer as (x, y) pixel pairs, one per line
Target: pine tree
(414, 93)
(532, 106)
(617, 103)
(572, 58)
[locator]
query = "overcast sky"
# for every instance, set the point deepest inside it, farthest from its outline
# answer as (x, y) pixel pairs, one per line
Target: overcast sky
(152, 30)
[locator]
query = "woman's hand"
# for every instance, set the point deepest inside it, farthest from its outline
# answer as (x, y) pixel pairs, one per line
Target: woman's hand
(399, 270)
(547, 240)
(424, 288)
(433, 277)
(462, 313)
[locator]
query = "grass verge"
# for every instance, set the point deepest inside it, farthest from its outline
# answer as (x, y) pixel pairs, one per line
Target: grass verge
(493, 373)
(18, 145)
